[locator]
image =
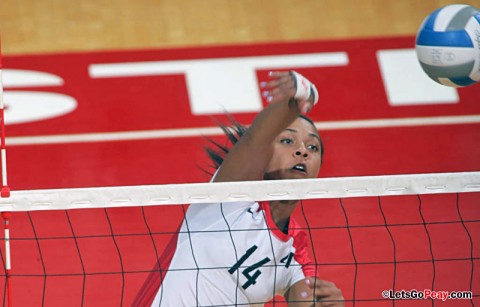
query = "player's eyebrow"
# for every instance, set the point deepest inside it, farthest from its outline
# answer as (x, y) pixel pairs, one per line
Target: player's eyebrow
(310, 134)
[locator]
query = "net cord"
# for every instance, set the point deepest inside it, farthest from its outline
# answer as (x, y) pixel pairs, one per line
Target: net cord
(191, 193)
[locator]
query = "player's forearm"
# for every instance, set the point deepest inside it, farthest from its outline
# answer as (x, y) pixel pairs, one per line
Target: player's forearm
(249, 157)
(273, 120)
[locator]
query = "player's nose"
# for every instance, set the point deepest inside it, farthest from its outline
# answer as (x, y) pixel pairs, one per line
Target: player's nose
(301, 151)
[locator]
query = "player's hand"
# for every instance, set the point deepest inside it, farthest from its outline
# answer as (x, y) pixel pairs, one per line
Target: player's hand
(325, 293)
(285, 85)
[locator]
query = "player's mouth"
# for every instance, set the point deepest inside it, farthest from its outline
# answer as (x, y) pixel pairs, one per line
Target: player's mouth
(300, 168)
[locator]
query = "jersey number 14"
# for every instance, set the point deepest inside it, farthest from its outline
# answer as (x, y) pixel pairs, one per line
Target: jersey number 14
(251, 279)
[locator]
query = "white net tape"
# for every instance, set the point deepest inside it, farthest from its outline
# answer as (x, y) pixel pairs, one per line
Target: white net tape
(341, 187)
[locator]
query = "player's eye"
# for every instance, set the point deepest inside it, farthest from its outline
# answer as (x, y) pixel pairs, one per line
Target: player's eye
(313, 147)
(286, 141)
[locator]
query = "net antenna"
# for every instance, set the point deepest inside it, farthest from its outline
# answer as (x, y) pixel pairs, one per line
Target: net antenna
(5, 190)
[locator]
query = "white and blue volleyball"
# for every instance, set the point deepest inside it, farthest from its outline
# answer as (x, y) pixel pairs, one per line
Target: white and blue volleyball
(448, 45)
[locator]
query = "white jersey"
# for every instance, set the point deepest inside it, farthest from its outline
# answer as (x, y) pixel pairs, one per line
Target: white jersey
(229, 254)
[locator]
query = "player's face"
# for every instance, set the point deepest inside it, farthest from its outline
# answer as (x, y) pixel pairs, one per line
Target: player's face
(296, 152)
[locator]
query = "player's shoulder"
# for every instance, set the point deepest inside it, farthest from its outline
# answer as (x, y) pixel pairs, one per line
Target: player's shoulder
(296, 230)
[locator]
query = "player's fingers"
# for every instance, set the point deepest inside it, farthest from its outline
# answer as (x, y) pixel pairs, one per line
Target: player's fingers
(281, 90)
(326, 293)
(277, 95)
(319, 283)
(278, 74)
(280, 81)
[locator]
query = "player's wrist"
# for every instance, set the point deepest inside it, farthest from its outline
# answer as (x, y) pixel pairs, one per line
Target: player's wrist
(305, 90)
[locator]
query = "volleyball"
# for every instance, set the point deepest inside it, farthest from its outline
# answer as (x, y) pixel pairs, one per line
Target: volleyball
(448, 45)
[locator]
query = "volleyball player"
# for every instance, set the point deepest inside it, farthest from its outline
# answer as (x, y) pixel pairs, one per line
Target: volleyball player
(245, 253)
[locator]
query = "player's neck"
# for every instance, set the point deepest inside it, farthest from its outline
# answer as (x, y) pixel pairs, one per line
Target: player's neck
(281, 211)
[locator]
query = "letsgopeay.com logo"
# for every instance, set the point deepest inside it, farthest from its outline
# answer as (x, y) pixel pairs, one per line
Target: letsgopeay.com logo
(425, 294)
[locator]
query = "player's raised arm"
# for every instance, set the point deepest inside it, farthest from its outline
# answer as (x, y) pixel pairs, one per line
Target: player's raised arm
(289, 94)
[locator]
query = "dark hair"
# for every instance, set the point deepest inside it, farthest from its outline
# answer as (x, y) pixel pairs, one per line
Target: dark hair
(234, 131)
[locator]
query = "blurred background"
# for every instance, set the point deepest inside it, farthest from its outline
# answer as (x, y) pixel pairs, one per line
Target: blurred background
(48, 26)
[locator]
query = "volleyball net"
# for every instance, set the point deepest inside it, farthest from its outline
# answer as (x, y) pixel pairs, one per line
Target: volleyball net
(378, 238)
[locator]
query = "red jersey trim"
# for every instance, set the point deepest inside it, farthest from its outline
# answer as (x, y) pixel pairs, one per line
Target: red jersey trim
(265, 206)
(150, 287)
(300, 241)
